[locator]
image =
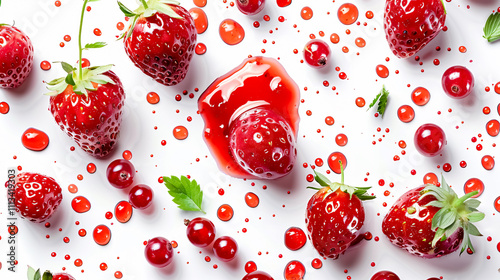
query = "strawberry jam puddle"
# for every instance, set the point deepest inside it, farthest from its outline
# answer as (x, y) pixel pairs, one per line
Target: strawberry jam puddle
(251, 119)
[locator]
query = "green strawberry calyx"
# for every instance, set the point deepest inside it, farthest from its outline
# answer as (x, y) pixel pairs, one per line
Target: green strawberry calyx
(81, 78)
(147, 9)
(454, 213)
(37, 275)
(323, 181)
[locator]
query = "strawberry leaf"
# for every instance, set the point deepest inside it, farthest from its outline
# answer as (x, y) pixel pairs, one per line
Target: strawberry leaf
(492, 28)
(186, 194)
(47, 275)
(66, 66)
(69, 79)
(31, 273)
(95, 45)
(126, 11)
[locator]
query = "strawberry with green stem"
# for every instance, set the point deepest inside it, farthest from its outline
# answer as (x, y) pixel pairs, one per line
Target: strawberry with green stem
(47, 275)
(335, 215)
(431, 221)
(88, 102)
(160, 40)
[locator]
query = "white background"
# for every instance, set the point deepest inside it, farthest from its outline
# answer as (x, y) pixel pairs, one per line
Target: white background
(46, 25)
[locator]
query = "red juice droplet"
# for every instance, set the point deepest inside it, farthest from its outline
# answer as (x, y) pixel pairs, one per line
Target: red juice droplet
(406, 113)
(78, 262)
(333, 162)
(283, 3)
(225, 212)
(294, 270)
(103, 266)
(200, 19)
(250, 266)
(153, 98)
(108, 215)
(348, 13)
(295, 238)
(493, 127)
(180, 132)
(200, 3)
(360, 42)
(91, 168)
(102, 235)
(231, 32)
(369, 14)
(316, 263)
(4, 108)
(118, 275)
(497, 204)
(329, 120)
(488, 162)
(127, 155)
(251, 199)
(420, 96)
(123, 211)
(45, 65)
(97, 32)
(34, 139)
(334, 38)
(382, 71)
(341, 139)
(72, 188)
(80, 204)
(82, 232)
(120, 26)
(360, 102)
(430, 178)
(474, 184)
(306, 13)
(200, 49)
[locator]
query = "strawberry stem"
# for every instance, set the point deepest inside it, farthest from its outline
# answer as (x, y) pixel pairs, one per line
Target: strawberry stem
(80, 50)
(144, 4)
(341, 172)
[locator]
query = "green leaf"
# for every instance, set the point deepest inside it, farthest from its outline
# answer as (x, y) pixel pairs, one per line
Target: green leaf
(475, 217)
(321, 179)
(374, 101)
(69, 79)
(472, 230)
(56, 81)
(186, 194)
(66, 66)
(162, 8)
(382, 104)
(126, 11)
(31, 273)
(472, 203)
(95, 45)
(47, 275)
(492, 28)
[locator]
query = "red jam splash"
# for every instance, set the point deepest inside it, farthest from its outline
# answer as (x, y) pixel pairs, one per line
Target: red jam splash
(257, 82)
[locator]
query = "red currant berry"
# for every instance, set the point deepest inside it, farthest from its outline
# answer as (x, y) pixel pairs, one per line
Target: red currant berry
(457, 82)
(141, 196)
(225, 248)
(257, 275)
(429, 139)
(120, 173)
(250, 7)
(159, 252)
(316, 53)
(385, 275)
(201, 232)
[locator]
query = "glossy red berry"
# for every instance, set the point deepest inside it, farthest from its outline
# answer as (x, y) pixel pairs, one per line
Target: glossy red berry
(316, 53)
(141, 196)
(385, 275)
(457, 82)
(250, 7)
(429, 139)
(120, 173)
(225, 248)
(201, 232)
(295, 238)
(257, 275)
(159, 252)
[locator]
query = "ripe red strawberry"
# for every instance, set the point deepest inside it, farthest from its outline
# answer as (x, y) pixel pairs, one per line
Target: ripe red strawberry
(160, 40)
(263, 143)
(36, 196)
(431, 221)
(16, 56)
(37, 275)
(410, 24)
(335, 215)
(87, 104)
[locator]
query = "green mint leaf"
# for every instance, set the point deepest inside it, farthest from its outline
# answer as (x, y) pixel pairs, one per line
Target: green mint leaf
(492, 28)
(374, 101)
(95, 45)
(186, 193)
(382, 103)
(126, 11)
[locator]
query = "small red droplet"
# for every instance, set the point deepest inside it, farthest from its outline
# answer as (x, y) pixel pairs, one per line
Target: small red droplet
(35, 140)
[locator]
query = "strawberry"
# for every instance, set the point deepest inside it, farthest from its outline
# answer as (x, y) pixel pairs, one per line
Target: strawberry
(16, 56)
(87, 104)
(47, 275)
(36, 196)
(411, 24)
(258, 275)
(335, 215)
(160, 40)
(263, 143)
(430, 221)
